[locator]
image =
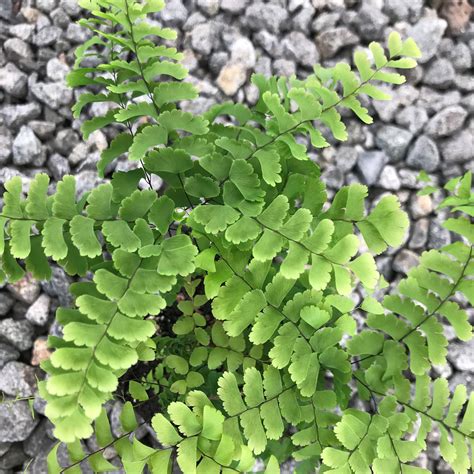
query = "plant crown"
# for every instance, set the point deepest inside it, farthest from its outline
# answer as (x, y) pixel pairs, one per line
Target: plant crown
(266, 360)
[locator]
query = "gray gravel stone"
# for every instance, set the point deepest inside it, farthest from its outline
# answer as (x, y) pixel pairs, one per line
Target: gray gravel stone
(333, 39)
(57, 70)
(18, 379)
(6, 302)
(17, 333)
(458, 148)
(370, 22)
(15, 116)
(266, 16)
(211, 7)
(19, 51)
(17, 421)
(297, 47)
(59, 166)
(243, 52)
(14, 457)
(71, 7)
(460, 56)
(434, 101)
(464, 82)
(175, 13)
(346, 158)
(7, 354)
(419, 234)
(424, 154)
(234, 6)
(38, 312)
(13, 81)
(5, 145)
(54, 94)
(446, 122)
(370, 164)
(39, 441)
(421, 206)
(440, 74)
(412, 118)
(6, 9)
(461, 355)
(389, 179)
(404, 261)
(27, 148)
(394, 141)
(205, 37)
(403, 9)
(439, 236)
(46, 5)
(47, 36)
(427, 33)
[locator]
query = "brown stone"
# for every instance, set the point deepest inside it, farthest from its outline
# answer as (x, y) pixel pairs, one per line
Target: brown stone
(40, 351)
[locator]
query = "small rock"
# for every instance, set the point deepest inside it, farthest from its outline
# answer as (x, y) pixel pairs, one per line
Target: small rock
(458, 148)
(434, 101)
(40, 352)
(439, 236)
(460, 56)
(7, 354)
(42, 129)
(86, 181)
(424, 154)
(440, 74)
(464, 82)
(17, 333)
(405, 260)
(57, 70)
(302, 20)
(389, 179)
(5, 145)
(370, 22)
(266, 16)
(457, 13)
(19, 52)
(413, 118)
(47, 36)
(59, 166)
(297, 47)
(46, 5)
(16, 115)
(71, 7)
(269, 42)
(421, 206)
(333, 39)
(231, 78)
(446, 122)
(346, 158)
(427, 33)
(234, 6)
(6, 302)
(284, 67)
(419, 234)
(27, 289)
(243, 52)
(14, 457)
(54, 94)
(18, 379)
(174, 13)
(460, 355)
(333, 177)
(399, 10)
(26, 147)
(370, 164)
(13, 81)
(6, 9)
(77, 34)
(38, 312)
(409, 179)
(394, 141)
(39, 441)
(17, 421)
(211, 7)
(204, 37)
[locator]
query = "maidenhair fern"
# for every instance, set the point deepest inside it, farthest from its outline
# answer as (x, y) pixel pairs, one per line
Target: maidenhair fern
(230, 287)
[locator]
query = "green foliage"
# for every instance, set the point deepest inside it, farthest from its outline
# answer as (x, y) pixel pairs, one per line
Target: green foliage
(231, 287)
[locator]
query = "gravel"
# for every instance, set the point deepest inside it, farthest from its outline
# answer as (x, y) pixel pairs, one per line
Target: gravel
(428, 125)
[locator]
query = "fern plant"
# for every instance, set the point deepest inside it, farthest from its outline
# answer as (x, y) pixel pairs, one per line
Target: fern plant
(230, 288)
